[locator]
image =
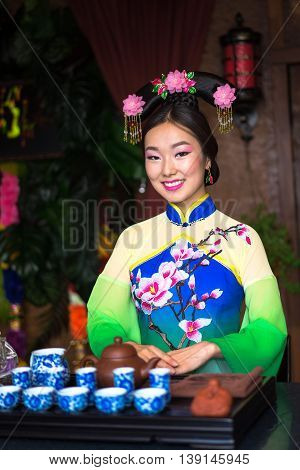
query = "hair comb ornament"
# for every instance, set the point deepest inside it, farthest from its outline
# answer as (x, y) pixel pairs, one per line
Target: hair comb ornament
(213, 89)
(174, 82)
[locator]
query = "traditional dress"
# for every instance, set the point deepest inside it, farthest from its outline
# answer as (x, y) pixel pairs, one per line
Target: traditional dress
(175, 280)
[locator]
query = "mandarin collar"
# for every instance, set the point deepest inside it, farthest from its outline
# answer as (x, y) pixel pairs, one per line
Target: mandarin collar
(199, 210)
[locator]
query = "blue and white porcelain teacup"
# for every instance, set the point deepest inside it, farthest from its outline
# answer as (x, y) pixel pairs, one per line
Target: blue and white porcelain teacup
(150, 401)
(53, 377)
(72, 399)
(22, 376)
(86, 377)
(110, 399)
(124, 378)
(10, 396)
(39, 398)
(43, 359)
(160, 378)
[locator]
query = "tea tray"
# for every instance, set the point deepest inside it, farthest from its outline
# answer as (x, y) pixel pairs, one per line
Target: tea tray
(175, 425)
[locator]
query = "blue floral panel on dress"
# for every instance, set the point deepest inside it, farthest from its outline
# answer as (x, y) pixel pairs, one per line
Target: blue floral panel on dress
(183, 296)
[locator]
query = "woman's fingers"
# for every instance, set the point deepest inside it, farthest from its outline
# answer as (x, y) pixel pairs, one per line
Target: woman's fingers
(188, 364)
(182, 369)
(145, 354)
(168, 359)
(149, 352)
(182, 360)
(192, 359)
(162, 363)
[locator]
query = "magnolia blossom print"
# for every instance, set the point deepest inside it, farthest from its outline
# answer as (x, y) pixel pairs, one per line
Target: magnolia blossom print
(173, 286)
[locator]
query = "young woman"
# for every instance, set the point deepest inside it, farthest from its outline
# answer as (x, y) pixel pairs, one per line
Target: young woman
(176, 284)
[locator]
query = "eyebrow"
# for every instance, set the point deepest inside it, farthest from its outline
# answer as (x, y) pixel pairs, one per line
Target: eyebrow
(182, 142)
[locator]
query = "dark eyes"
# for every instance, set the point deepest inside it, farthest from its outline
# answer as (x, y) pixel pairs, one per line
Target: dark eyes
(154, 157)
(182, 153)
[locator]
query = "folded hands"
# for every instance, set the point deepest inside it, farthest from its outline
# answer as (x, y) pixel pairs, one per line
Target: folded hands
(180, 361)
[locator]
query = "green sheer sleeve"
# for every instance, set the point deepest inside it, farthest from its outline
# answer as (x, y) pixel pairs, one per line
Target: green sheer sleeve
(262, 337)
(111, 311)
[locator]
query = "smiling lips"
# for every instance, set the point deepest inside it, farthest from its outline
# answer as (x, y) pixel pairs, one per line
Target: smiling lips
(172, 185)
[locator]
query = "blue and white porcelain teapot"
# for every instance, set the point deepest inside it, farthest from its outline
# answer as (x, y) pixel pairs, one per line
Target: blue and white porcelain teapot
(42, 360)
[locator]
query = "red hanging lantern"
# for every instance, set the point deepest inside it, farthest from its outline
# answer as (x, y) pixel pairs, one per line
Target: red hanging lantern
(240, 57)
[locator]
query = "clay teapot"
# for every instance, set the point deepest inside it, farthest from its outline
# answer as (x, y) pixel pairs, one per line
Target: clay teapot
(116, 355)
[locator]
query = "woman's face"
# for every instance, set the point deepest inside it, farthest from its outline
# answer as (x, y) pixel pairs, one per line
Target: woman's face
(175, 164)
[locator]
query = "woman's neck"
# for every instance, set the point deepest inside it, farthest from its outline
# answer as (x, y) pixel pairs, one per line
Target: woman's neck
(184, 205)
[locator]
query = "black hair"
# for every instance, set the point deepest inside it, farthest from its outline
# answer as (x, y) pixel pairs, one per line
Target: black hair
(183, 109)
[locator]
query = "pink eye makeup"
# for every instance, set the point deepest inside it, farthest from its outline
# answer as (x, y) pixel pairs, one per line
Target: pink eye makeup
(178, 150)
(149, 153)
(184, 149)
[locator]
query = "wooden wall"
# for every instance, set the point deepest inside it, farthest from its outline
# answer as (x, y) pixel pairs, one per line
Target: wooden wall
(266, 170)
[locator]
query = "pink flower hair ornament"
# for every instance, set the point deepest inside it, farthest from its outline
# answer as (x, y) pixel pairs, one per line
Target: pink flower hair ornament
(132, 109)
(223, 99)
(174, 82)
(133, 105)
(212, 88)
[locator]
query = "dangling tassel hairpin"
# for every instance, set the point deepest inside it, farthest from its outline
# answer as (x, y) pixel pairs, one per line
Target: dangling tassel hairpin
(224, 97)
(225, 119)
(133, 108)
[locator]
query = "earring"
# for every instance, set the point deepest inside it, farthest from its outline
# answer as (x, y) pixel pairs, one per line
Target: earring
(209, 178)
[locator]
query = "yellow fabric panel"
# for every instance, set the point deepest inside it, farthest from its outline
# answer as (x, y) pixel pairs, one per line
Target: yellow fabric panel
(117, 267)
(252, 260)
